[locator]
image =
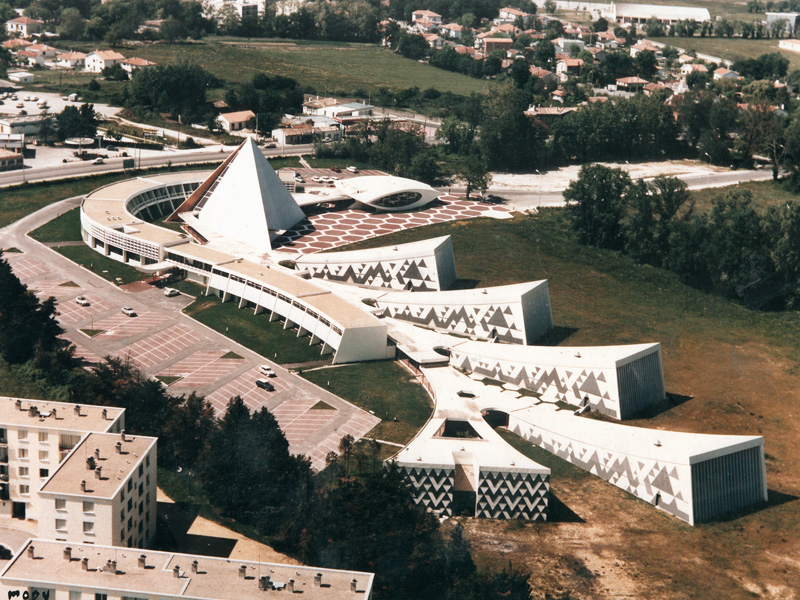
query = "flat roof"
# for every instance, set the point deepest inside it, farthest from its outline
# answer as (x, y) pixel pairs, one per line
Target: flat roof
(116, 466)
(500, 294)
(576, 357)
(57, 415)
(396, 252)
(368, 188)
(215, 579)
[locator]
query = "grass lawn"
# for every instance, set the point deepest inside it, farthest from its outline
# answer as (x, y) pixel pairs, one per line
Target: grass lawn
(765, 194)
(327, 67)
(732, 48)
(66, 228)
(107, 268)
(386, 389)
(253, 331)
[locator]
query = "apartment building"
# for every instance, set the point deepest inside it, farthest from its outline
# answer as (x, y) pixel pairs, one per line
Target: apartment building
(104, 492)
(51, 570)
(35, 436)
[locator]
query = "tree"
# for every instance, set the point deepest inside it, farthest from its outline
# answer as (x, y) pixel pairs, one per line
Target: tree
(73, 25)
(654, 28)
(173, 29)
(596, 205)
(600, 25)
(413, 46)
(6, 60)
(474, 171)
(457, 135)
(646, 64)
(550, 7)
(544, 54)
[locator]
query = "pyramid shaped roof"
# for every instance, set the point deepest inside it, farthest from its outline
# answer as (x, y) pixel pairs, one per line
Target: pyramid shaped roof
(244, 200)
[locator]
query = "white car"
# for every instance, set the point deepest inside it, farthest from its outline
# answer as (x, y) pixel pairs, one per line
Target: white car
(98, 161)
(352, 169)
(266, 370)
(169, 292)
(127, 310)
(82, 301)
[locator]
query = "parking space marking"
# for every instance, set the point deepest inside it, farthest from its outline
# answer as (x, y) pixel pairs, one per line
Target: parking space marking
(201, 369)
(121, 326)
(161, 346)
(70, 312)
(26, 267)
(85, 357)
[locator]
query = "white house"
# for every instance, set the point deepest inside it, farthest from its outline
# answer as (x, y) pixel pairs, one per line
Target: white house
(236, 121)
(135, 63)
(100, 59)
(24, 26)
(43, 49)
(723, 73)
(20, 76)
(348, 109)
(70, 60)
(30, 57)
(452, 30)
(421, 15)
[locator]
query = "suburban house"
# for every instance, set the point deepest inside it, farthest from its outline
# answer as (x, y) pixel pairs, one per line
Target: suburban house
(496, 43)
(568, 66)
(24, 26)
(429, 15)
(452, 30)
(100, 59)
(43, 49)
(16, 43)
(135, 63)
(70, 60)
(434, 41)
(510, 15)
(723, 73)
(348, 109)
(315, 105)
(693, 68)
(29, 57)
(631, 84)
(236, 121)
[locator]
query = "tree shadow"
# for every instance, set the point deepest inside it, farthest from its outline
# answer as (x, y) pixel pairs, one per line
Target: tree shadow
(174, 521)
(556, 335)
(558, 512)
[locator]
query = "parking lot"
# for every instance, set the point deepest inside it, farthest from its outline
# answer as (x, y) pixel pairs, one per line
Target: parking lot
(163, 342)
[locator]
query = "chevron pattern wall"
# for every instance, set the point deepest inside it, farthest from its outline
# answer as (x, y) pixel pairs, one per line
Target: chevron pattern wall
(553, 383)
(415, 274)
(501, 321)
(433, 487)
(665, 484)
(507, 495)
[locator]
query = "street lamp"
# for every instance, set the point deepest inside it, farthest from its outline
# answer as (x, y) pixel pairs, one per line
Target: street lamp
(708, 174)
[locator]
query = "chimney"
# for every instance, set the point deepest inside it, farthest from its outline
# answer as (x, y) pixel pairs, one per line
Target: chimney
(243, 571)
(68, 553)
(264, 583)
(118, 446)
(55, 414)
(32, 411)
(31, 551)
(122, 436)
(83, 485)
(353, 585)
(98, 472)
(143, 561)
(194, 566)
(97, 453)
(111, 566)
(90, 463)
(105, 414)
(18, 404)
(176, 571)
(290, 586)
(85, 563)
(78, 409)
(318, 580)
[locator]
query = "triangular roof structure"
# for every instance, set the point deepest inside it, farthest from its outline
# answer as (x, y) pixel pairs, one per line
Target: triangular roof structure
(243, 200)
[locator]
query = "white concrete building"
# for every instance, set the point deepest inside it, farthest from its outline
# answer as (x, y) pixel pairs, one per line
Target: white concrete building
(35, 436)
(71, 60)
(792, 45)
(245, 9)
(135, 64)
(104, 492)
(429, 15)
(387, 193)
(639, 14)
(98, 60)
(24, 26)
(70, 571)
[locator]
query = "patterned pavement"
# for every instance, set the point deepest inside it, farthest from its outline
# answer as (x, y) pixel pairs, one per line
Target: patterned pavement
(25, 267)
(334, 229)
(201, 369)
(161, 346)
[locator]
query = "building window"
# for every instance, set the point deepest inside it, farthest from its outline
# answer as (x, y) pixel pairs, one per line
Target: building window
(74, 595)
(24, 490)
(130, 504)
(22, 434)
(61, 524)
(44, 455)
(141, 489)
(44, 473)
(99, 596)
(141, 470)
(22, 453)
(61, 504)
(141, 526)
(88, 507)
(147, 460)
(43, 436)
(23, 471)
(88, 527)
(122, 516)
(130, 524)
(130, 484)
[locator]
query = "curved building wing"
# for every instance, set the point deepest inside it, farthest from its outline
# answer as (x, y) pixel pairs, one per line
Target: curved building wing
(387, 193)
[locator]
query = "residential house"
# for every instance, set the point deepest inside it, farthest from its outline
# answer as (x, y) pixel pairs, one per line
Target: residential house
(43, 49)
(236, 121)
(20, 77)
(420, 15)
(723, 73)
(135, 64)
(100, 59)
(348, 109)
(549, 114)
(452, 30)
(15, 43)
(71, 60)
(314, 104)
(424, 26)
(510, 15)
(693, 68)
(631, 84)
(566, 45)
(24, 26)
(496, 43)
(644, 46)
(558, 95)
(434, 41)
(29, 57)
(567, 67)
(650, 88)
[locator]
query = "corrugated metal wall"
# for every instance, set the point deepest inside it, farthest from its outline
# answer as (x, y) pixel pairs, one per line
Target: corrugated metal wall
(727, 483)
(640, 384)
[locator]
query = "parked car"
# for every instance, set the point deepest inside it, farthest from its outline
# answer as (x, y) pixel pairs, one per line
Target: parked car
(82, 301)
(98, 161)
(265, 385)
(352, 169)
(127, 310)
(271, 145)
(112, 148)
(169, 292)
(336, 169)
(266, 370)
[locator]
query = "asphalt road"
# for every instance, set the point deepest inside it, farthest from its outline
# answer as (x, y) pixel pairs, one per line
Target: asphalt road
(79, 169)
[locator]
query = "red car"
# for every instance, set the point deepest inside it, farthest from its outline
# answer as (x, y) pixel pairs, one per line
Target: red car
(336, 169)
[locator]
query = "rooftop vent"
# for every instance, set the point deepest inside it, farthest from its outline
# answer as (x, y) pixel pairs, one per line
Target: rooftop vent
(18, 404)
(118, 447)
(354, 585)
(264, 583)
(31, 551)
(91, 463)
(105, 413)
(143, 561)
(85, 563)
(318, 580)
(83, 485)
(98, 472)
(78, 410)
(68, 553)
(242, 571)
(290, 586)
(195, 564)
(176, 571)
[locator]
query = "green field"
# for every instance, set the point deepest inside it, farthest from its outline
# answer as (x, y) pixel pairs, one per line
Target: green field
(105, 267)
(731, 48)
(765, 194)
(327, 67)
(65, 228)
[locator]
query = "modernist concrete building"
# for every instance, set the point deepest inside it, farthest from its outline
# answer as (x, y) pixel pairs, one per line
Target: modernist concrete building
(68, 571)
(515, 314)
(422, 266)
(618, 381)
(35, 437)
(387, 193)
(104, 492)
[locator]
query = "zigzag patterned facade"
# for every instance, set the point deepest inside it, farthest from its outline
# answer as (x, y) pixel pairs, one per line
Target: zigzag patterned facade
(515, 314)
(433, 486)
(677, 485)
(425, 266)
(510, 495)
(558, 375)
